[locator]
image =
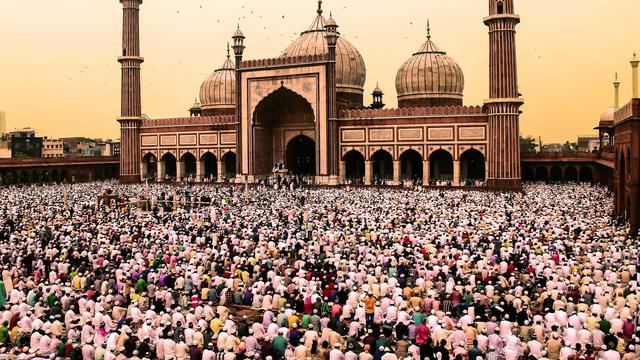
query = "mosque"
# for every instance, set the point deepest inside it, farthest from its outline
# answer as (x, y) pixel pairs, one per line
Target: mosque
(305, 109)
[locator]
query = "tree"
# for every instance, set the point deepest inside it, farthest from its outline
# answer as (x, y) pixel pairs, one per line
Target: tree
(527, 144)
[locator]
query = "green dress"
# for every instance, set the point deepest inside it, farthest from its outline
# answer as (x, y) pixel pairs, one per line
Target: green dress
(3, 294)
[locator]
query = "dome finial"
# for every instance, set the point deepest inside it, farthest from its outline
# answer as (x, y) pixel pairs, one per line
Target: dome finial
(428, 30)
(228, 51)
(319, 7)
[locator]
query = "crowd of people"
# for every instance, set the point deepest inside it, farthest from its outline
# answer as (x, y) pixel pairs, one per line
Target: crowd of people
(222, 273)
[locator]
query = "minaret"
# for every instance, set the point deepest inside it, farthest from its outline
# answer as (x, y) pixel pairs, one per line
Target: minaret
(616, 93)
(332, 39)
(238, 50)
(131, 108)
(634, 76)
(504, 101)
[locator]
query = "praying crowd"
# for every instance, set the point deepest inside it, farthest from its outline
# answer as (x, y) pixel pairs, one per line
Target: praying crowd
(208, 272)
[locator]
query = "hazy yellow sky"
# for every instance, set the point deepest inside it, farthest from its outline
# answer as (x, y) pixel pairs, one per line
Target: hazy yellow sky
(58, 69)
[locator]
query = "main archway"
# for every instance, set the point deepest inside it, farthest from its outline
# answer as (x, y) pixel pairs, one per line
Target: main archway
(301, 156)
(274, 119)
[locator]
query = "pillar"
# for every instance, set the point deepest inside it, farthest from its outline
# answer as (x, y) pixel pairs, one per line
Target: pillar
(160, 171)
(143, 170)
(130, 99)
(396, 172)
(180, 170)
(199, 168)
(343, 171)
(220, 171)
(368, 172)
(456, 172)
(425, 172)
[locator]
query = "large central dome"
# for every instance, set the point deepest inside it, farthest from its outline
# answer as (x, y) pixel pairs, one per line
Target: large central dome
(350, 69)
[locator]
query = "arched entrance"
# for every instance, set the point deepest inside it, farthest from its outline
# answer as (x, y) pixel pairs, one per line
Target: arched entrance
(586, 175)
(354, 166)
(169, 165)
(542, 174)
(528, 174)
(278, 114)
(150, 164)
(472, 166)
(440, 166)
(55, 177)
(188, 161)
(24, 177)
(301, 156)
(229, 165)
(410, 165)
(210, 166)
(622, 185)
(382, 165)
(570, 174)
(556, 174)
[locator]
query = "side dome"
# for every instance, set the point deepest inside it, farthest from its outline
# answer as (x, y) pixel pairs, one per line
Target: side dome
(218, 91)
(429, 78)
(351, 71)
(607, 117)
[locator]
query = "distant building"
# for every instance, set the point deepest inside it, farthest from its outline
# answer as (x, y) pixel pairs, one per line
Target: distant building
(52, 148)
(79, 146)
(550, 148)
(588, 143)
(110, 148)
(5, 147)
(3, 122)
(25, 143)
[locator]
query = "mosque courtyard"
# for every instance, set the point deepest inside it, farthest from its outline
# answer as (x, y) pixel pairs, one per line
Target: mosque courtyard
(315, 273)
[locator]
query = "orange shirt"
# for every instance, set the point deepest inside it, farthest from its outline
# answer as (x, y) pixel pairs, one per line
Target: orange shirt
(369, 304)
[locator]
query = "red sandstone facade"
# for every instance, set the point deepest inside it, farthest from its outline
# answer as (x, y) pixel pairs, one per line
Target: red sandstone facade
(305, 109)
(627, 166)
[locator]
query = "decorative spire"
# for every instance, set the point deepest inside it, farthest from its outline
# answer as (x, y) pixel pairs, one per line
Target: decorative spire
(616, 81)
(319, 7)
(428, 30)
(228, 51)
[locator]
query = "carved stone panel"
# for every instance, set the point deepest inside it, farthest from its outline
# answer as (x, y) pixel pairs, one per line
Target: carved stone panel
(440, 133)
